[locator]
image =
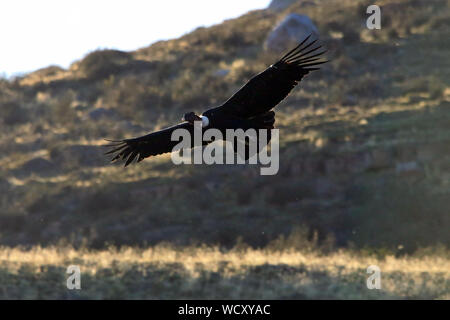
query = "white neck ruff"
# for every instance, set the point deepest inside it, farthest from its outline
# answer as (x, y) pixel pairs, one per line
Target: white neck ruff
(205, 121)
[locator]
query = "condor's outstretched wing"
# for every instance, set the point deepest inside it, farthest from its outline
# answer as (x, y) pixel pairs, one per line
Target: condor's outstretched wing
(149, 145)
(265, 90)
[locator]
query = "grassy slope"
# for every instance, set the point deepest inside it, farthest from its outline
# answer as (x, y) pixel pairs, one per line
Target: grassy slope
(364, 143)
(164, 272)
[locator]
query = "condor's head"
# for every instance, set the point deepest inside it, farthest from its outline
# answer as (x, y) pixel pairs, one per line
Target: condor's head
(191, 117)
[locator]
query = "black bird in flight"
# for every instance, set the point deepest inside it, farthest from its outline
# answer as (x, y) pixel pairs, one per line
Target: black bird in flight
(250, 107)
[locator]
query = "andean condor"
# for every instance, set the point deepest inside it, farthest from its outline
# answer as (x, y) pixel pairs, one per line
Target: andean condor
(250, 107)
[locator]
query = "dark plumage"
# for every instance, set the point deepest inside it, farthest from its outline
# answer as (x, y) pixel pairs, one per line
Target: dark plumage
(250, 107)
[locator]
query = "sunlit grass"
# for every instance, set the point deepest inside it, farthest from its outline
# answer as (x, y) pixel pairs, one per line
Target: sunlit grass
(239, 273)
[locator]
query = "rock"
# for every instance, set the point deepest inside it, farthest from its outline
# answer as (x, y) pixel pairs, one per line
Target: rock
(99, 113)
(289, 32)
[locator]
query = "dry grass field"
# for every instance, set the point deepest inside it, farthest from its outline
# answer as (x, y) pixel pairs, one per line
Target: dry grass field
(165, 272)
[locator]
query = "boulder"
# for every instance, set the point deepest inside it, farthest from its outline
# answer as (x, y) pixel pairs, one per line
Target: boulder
(279, 5)
(289, 32)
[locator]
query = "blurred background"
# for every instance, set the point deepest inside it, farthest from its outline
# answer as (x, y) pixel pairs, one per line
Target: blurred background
(364, 150)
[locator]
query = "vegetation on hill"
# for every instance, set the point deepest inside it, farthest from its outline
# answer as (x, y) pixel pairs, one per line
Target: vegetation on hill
(167, 272)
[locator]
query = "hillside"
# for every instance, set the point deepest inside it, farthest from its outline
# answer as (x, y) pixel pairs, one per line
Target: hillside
(364, 142)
